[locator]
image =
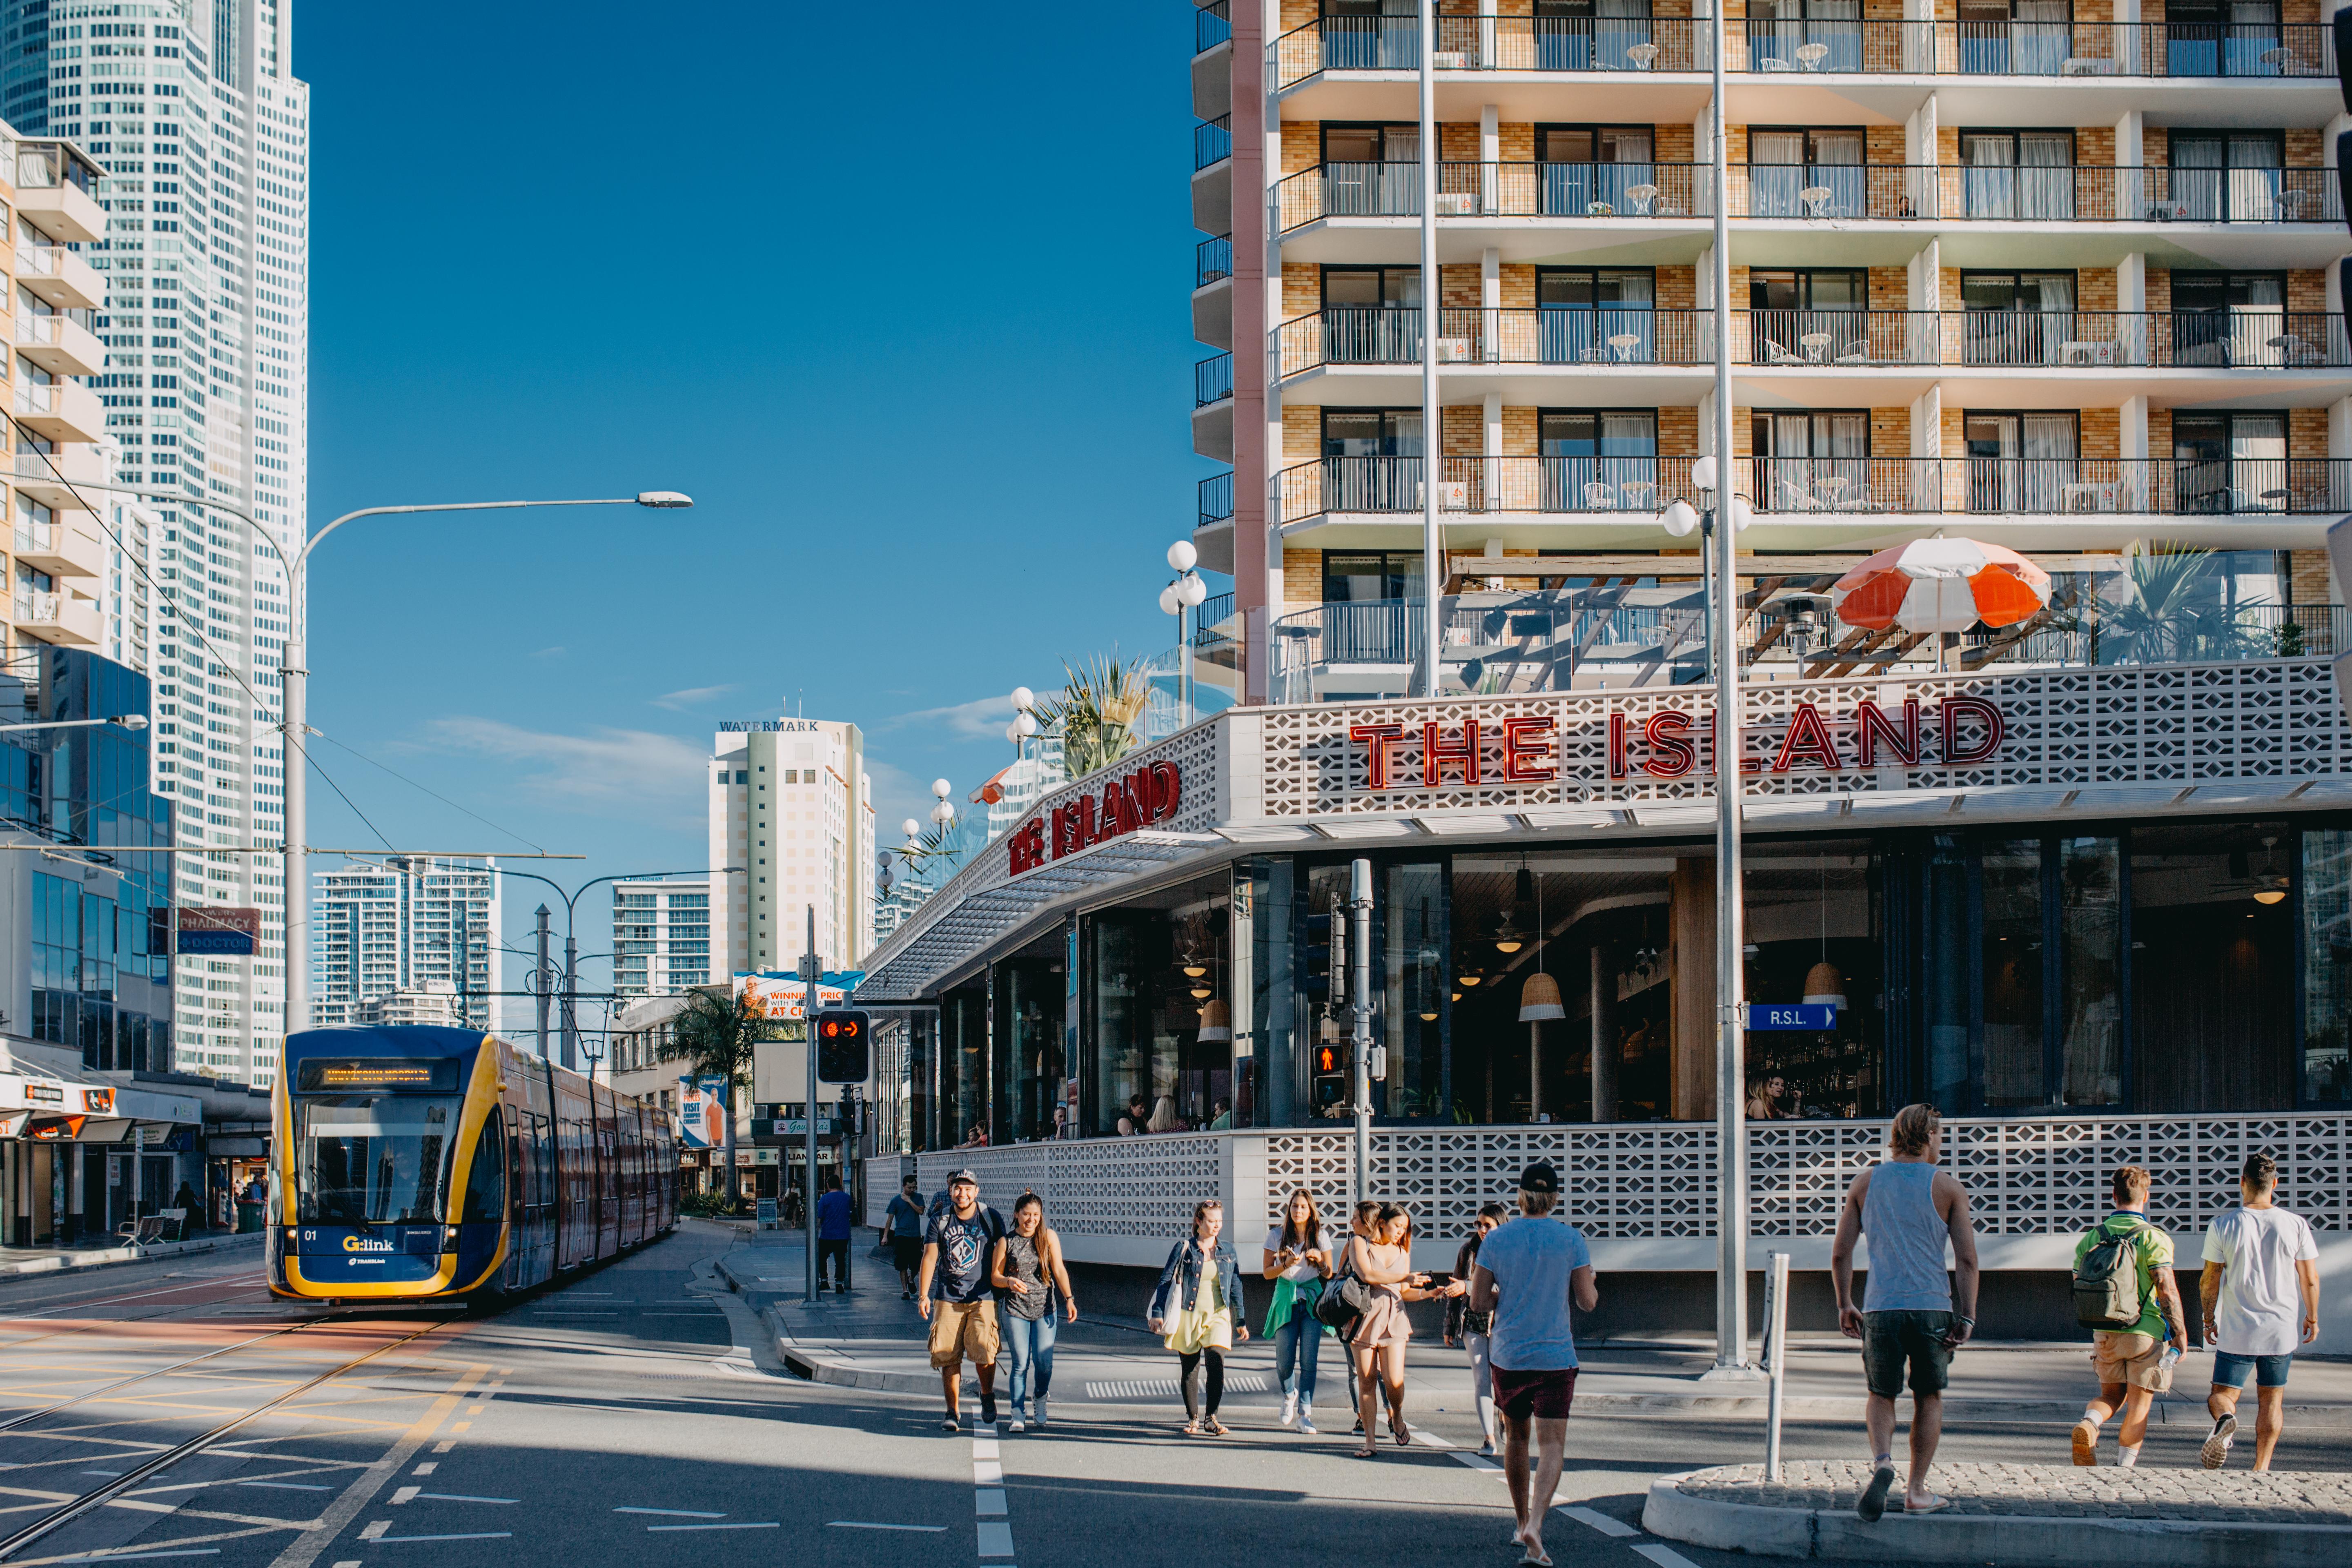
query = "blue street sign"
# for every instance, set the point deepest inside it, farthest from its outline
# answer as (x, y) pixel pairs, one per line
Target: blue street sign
(1792, 1016)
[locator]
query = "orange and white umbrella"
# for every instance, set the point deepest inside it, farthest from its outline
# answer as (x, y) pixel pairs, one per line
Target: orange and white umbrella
(1940, 585)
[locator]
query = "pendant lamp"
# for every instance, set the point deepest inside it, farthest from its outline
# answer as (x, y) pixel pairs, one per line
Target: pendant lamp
(1216, 1023)
(1539, 1001)
(1824, 983)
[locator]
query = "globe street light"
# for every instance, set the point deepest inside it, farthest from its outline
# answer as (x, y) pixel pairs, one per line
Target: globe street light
(1185, 591)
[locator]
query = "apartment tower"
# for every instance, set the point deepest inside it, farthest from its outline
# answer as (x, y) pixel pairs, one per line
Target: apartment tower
(414, 925)
(661, 936)
(2058, 276)
(792, 805)
(201, 266)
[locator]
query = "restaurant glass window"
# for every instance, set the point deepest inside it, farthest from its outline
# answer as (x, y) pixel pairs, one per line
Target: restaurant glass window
(2326, 925)
(1598, 459)
(2021, 175)
(1811, 461)
(2026, 318)
(2226, 176)
(2020, 462)
(1804, 34)
(1372, 459)
(1599, 316)
(1029, 995)
(1589, 35)
(1785, 163)
(1281, 1088)
(1410, 912)
(2010, 944)
(2230, 462)
(963, 1066)
(1814, 922)
(1585, 170)
(1807, 315)
(1371, 315)
(1158, 975)
(1371, 171)
(2213, 967)
(2014, 38)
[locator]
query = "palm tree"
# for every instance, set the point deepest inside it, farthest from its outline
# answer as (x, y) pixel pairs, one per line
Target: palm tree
(1098, 712)
(2171, 613)
(719, 1036)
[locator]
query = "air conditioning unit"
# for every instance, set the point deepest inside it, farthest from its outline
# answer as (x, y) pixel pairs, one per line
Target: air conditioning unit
(1453, 350)
(1457, 204)
(1452, 495)
(1450, 61)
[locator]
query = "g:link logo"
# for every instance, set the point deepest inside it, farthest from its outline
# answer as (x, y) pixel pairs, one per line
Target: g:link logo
(362, 1243)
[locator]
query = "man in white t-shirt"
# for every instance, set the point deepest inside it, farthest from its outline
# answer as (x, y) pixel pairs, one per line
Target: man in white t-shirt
(2260, 1292)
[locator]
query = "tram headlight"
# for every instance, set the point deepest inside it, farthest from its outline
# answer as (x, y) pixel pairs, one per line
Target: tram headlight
(448, 1239)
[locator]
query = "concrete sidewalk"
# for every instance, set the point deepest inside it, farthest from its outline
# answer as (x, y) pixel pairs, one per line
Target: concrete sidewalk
(2018, 1514)
(871, 1339)
(17, 1261)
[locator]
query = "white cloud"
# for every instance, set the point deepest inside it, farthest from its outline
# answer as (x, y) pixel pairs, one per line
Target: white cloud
(982, 719)
(604, 771)
(555, 652)
(677, 702)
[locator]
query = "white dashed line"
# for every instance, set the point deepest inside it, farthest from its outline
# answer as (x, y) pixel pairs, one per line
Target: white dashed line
(764, 1524)
(471, 1535)
(459, 1497)
(673, 1512)
(985, 1501)
(1664, 1557)
(286, 1486)
(995, 1539)
(987, 1473)
(1475, 1462)
(868, 1524)
(1617, 1528)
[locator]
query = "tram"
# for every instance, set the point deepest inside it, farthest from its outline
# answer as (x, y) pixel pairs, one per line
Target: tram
(425, 1162)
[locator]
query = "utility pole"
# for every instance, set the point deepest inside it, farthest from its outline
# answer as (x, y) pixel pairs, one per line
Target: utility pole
(539, 979)
(808, 1119)
(570, 1020)
(1432, 442)
(1359, 1014)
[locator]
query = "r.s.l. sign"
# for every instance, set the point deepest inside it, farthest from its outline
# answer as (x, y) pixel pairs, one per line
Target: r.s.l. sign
(1811, 1017)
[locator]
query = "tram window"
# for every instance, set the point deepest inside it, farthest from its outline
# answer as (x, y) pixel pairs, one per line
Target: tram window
(485, 1182)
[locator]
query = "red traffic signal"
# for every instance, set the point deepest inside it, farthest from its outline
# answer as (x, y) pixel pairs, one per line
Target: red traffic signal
(1326, 1061)
(841, 1045)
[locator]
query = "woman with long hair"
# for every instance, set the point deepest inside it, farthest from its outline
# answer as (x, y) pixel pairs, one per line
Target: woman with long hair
(1027, 1272)
(1297, 1260)
(1199, 1307)
(1765, 1092)
(1382, 1258)
(1163, 1115)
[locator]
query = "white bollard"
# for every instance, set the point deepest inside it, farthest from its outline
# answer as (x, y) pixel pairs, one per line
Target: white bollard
(1776, 1357)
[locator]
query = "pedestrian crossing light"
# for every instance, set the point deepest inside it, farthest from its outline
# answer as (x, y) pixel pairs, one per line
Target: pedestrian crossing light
(841, 1036)
(1331, 1074)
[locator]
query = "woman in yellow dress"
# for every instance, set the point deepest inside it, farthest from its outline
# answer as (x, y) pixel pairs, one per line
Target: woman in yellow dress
(1199, 1307)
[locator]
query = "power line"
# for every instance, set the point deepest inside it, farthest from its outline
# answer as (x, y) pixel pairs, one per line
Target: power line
(436, 794)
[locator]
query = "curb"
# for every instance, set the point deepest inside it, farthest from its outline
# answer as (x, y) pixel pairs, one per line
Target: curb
(111, 1256)
(2025, 1541)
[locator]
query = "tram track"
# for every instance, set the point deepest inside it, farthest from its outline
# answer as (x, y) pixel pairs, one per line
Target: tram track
(95, 1325)
(178, 1453)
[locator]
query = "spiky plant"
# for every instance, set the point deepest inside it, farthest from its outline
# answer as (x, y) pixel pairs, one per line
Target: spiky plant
(1098, 713)
(2171, 613)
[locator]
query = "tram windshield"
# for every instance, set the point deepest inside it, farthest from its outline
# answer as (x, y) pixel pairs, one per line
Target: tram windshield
(374, 1159)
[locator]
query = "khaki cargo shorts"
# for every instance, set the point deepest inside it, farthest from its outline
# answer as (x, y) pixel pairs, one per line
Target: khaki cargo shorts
(2129, 1359)
(962, 1328)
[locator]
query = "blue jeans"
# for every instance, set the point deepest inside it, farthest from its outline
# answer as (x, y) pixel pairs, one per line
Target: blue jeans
(2231, 1370)
(1296, 1344)
(1030, 1342)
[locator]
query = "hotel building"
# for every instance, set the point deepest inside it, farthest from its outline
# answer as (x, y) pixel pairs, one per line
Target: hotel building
(791, 804)
(2061, 278)
(661, 935)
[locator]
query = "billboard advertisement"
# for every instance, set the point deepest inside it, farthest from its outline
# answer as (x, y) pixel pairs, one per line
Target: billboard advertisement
(223, 933)
(702, 1112)
(781, 996)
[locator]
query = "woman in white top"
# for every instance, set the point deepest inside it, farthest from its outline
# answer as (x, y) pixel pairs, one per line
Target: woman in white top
(1297, 1260)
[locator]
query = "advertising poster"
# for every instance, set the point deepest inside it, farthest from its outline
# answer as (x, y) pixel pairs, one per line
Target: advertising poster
(702, 1114)
(781, 996)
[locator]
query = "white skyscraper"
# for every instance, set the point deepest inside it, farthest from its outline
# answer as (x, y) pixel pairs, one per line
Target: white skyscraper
(191, 109)
(661, 935)
(791, 804)
(406, 927)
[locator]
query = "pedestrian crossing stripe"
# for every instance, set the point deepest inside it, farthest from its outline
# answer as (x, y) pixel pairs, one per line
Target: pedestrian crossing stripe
(1241, 1382)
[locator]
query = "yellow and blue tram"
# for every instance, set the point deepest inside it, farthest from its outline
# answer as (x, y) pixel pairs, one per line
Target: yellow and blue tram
(416, 1162)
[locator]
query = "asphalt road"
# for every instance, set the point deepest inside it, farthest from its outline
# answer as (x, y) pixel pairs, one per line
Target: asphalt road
(625, 1417)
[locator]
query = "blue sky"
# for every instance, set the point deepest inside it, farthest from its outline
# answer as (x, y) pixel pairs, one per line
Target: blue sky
(896, 294)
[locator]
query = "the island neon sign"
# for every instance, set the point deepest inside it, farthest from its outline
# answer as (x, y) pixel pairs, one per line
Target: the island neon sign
(1147, 796)
(1667, 745)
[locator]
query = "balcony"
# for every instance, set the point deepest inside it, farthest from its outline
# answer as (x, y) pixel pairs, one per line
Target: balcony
(62, 549)
(57, 191)
(1212, 408)
(62, 344)
(49, 478)
(58, 410)
(1212, 142)
(1677, 46)
(1212, 291)
(1216, 499)
(58, 276)
(58, 617)
(1833, 490)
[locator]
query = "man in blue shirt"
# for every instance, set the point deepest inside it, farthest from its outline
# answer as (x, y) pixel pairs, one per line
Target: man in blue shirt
(1529, 1272)
(833, 1236)
(902, 1228)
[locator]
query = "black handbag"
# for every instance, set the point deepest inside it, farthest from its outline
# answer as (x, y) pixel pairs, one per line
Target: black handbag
(1343, 1301)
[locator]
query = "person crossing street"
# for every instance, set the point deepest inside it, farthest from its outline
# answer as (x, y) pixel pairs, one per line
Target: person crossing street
(957, 1296)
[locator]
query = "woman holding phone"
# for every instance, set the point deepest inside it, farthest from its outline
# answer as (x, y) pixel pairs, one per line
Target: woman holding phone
(1473, 1327)
(1384, 1261)
(1027, 1272)
(1199, 1306)
(1298, 1262)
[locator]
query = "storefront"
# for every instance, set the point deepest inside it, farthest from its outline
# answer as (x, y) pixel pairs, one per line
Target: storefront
(78, 1160)
(2073, 908)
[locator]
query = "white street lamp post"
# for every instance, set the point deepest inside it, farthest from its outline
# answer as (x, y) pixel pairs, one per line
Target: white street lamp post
(125, 721)
(1184, 592)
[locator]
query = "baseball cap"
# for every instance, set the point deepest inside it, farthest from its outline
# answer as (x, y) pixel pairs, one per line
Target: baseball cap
(962, 1176)
(1539, 1177)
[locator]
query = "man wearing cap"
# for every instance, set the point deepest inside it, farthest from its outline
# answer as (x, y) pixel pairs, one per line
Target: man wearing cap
(1529, 1272)
(957, 1250)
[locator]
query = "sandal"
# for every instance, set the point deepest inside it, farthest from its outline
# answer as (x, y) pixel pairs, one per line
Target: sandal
(1191, 1428)
(1216, 1428)
(1366, 1453)
(1403, 1434)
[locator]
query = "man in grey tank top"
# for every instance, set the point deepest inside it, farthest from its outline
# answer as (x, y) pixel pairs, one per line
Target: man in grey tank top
(1911, 1211)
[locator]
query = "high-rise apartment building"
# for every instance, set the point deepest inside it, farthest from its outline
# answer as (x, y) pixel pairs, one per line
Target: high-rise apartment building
(661, 935)
(413, 926)
(791, 804)
(200, 264)
(2062, 277)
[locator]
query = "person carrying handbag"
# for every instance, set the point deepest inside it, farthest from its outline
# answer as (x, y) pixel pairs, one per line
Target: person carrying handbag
(1200, 1306)
(1298, 1262)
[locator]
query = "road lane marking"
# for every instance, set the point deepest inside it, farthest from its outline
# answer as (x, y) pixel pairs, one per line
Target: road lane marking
(987, 1473)
(375, 1529)
(1475, 1461)
(1614, 1528)
(1664, 1557)
(404, 1494)
(339, 1515)
(764, 1524)
(673, 1512)
(460, 1497)
(120, 1556)
(985, 1501)
(984, 1448)
(995, 1539)
(444, 1447)
(286, 1486)
(869, 1524)
(425, 1468)
(468, 1535)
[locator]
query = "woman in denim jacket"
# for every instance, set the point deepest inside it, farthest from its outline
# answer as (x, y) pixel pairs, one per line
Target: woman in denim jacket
(1199, 1306)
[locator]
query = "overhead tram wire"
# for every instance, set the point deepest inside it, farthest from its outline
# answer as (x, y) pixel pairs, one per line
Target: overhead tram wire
(436, 794)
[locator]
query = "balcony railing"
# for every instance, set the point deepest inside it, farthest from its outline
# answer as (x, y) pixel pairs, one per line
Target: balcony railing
(1212, 142)
(1831, 487)
(1832, 47)
(1894, 193)
(1371, 334)
(45, 330)
(1211, 27)
(1212, 380)
(1216, 499)
(1213, 260)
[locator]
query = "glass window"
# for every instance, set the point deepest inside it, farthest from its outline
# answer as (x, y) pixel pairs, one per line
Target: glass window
(1157, 966)
(373, 1159)
(1412, 917)
(2012, 959)
(2213, 967)
(2327, 966)
(2090, 1006)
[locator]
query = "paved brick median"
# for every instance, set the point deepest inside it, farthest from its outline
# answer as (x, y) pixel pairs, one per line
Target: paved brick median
(2052, 1491)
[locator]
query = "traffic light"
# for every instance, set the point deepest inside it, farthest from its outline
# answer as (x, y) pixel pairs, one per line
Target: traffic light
(1330, 1076)
(842, 1033)
(1325, 972)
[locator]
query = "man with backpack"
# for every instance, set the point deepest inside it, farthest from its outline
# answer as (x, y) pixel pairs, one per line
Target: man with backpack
(958, 1295)
(2126, 1295)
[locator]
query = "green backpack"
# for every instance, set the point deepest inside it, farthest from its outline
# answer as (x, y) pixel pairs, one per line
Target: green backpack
(2106, 1282)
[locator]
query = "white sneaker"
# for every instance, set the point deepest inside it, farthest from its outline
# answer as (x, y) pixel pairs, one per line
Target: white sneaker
(2216, 1451)
(1038, 1421)
(1289, 1408)
(1018, 1424)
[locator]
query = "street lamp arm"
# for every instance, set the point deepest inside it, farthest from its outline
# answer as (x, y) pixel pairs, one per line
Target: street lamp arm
(313, 542)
